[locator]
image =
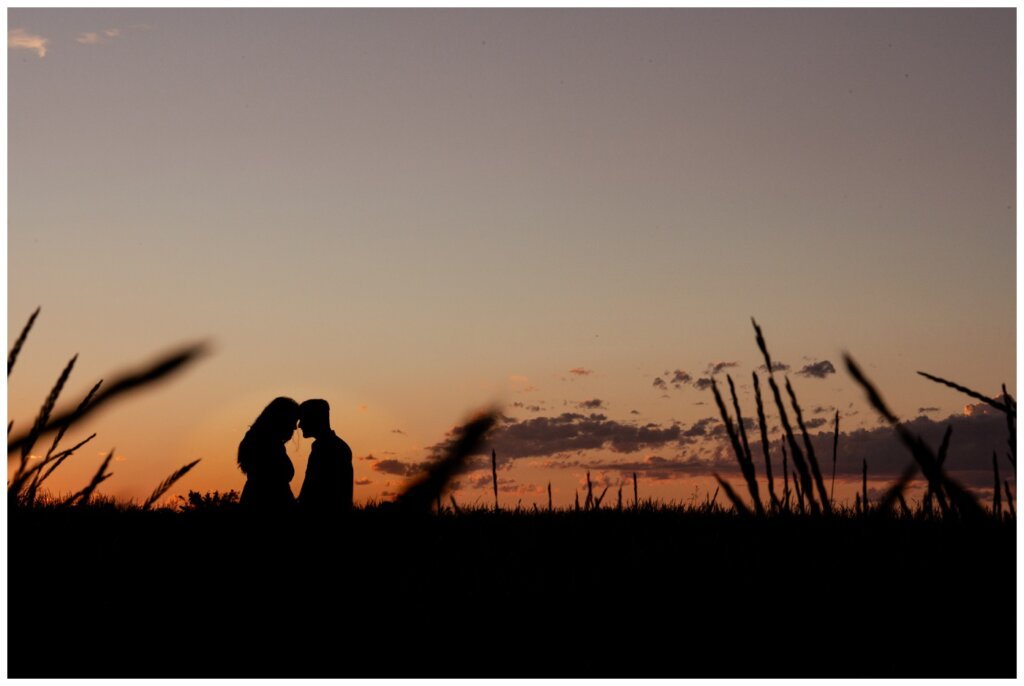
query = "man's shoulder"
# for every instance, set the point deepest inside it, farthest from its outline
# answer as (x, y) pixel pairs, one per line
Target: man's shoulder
(336, 444)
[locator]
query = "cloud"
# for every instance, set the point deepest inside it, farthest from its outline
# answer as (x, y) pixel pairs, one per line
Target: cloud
(699, 428)
(702, 384)
(594, 404)
(662, 468)
(580, 371)
(818, 370)
(679, 377)
(398, 431)
(20, 39)
(368, 458)
(362, 482)
(634, 412)
(815, 422)
(396, 467)
(776, 367)
(98, 37)
(926, 410)
(659, 383)
(973, 440)
(716, 367)
(568, 432)
(981, 409)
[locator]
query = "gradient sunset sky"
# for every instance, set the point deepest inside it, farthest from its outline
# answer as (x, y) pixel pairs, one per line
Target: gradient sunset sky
(415, 213)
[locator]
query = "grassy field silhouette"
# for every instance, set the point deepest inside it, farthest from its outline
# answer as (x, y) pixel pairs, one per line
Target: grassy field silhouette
(790, 585)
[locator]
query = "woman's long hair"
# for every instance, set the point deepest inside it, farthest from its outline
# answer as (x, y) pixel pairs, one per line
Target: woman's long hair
(281, 412)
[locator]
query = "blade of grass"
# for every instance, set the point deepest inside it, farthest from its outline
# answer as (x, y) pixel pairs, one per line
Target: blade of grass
(1011, 425)
(812, 460)
(835, 455)
(799, 465)
(418, 496)
(81, 406)
(12, 356)
(44, 415)
(741, 454)
(494, 476)
(785, 477)
(864, 488)
(750, 473)
(125, 383)
(895, 492)
(83, 495)
(967, 391)
(763, 426)
(738, 505)
(997, 506)
(166, 484)
(38, 475)
(965, 502)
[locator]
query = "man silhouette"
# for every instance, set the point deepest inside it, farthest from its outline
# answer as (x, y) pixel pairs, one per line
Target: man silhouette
(327, 487)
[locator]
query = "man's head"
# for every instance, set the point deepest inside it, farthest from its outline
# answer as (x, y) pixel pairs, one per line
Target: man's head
(314, 418)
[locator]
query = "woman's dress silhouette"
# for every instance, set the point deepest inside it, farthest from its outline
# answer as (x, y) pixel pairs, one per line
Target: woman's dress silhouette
(263, 459)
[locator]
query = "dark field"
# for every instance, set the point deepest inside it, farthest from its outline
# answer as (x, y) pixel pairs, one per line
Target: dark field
(106, 592)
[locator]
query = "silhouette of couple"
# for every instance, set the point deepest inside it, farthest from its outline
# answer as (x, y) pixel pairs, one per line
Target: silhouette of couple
(327, 487)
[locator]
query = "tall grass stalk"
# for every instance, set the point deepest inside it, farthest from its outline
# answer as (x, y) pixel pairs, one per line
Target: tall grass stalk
(785, 477)
(737, 503)
(82, 497)
(799, 465)
(122, 384)
(763, 426)
(967, 391)
(494, 476)
(965, 502)
(44, 415)
(864, 487)
(166, 484)
(811, 458)
(12, 356)
(997, 506)
(421, 494)
(1011, 426)
(895, 492)
(835, 455)
(741, 454)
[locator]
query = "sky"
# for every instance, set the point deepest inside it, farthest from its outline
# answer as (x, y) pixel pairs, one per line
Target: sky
(414, 214)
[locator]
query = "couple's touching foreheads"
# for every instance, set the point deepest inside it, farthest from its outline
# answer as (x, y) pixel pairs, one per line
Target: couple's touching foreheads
(327, 486)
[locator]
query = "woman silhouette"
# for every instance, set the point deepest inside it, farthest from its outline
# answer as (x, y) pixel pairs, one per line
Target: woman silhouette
(262, 458)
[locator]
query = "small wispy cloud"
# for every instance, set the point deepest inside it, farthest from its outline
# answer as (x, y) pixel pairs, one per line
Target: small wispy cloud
(20, 39)
(98, 37)
(581, 371)
(818, 370)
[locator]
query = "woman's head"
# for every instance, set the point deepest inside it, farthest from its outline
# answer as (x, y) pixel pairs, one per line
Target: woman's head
(277, 420)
